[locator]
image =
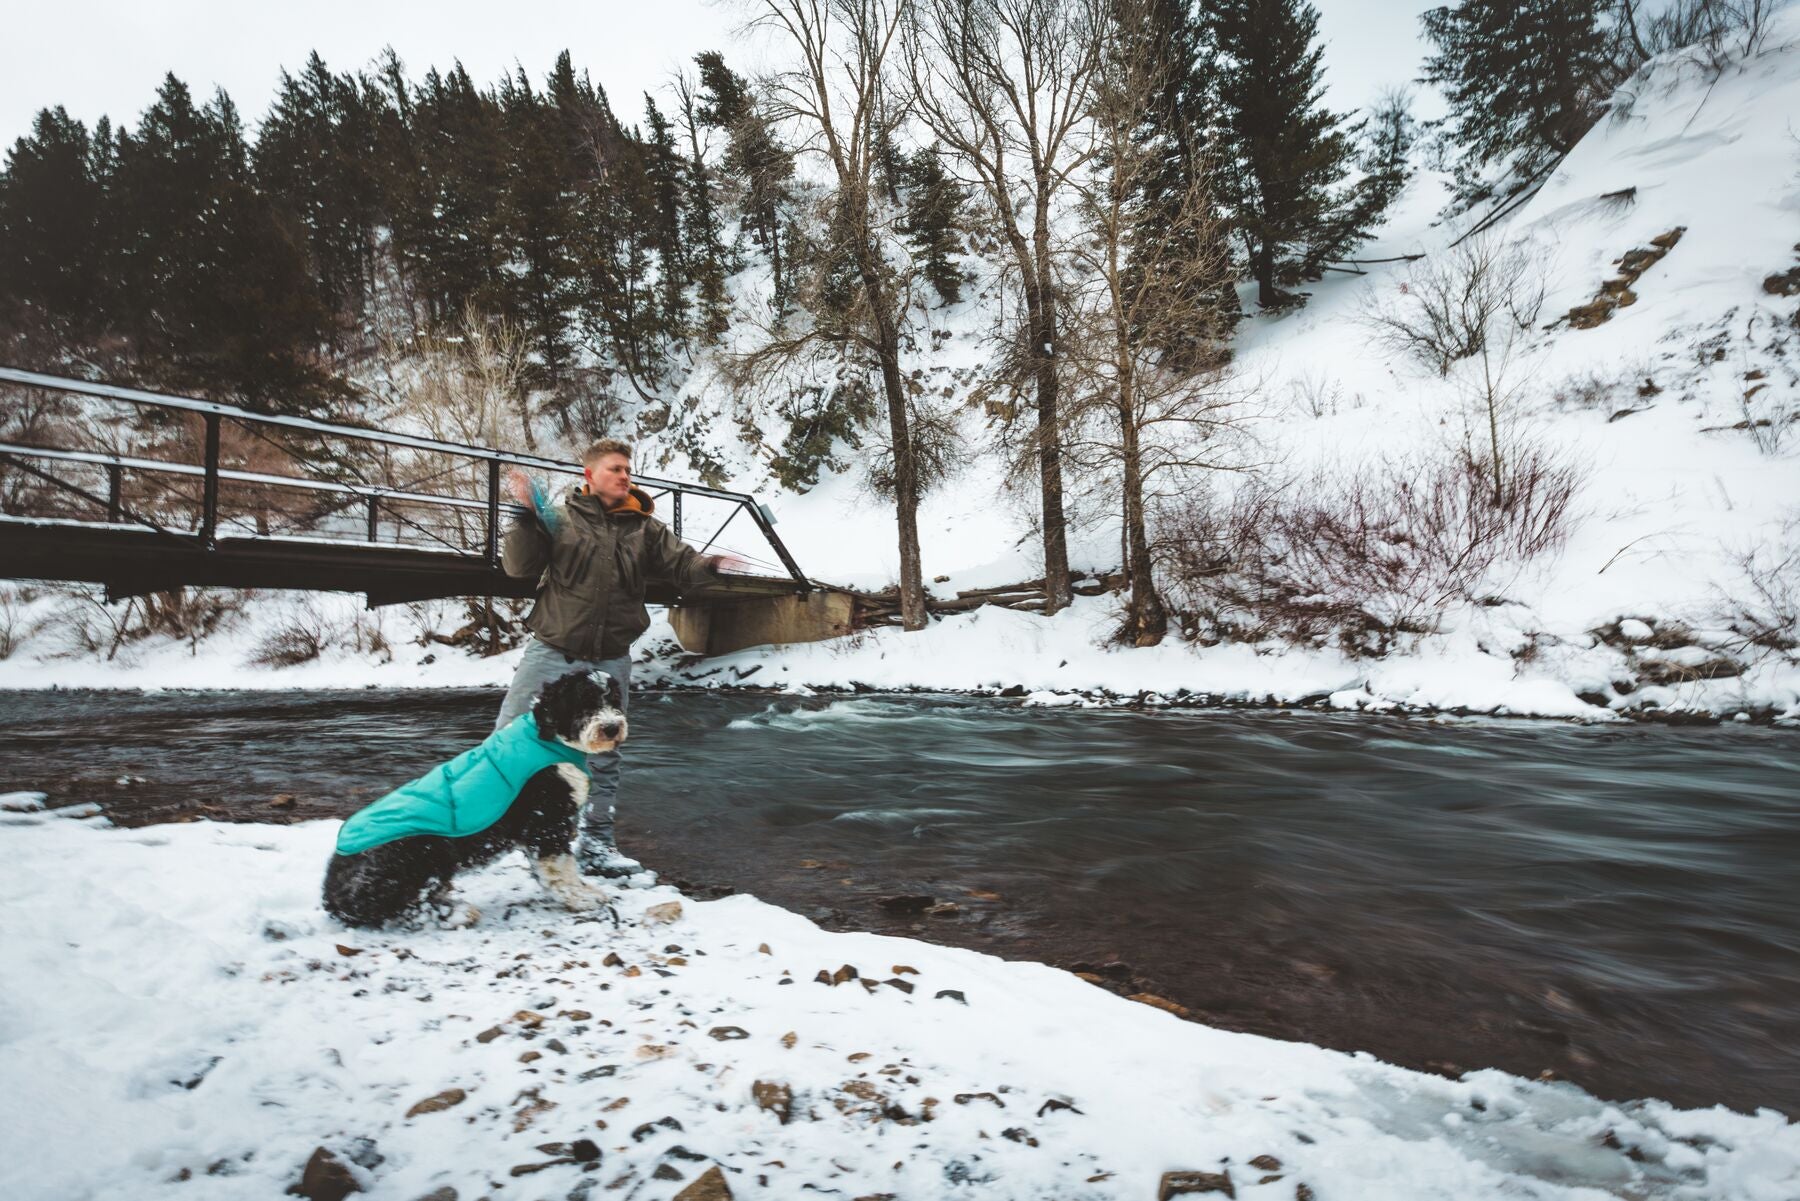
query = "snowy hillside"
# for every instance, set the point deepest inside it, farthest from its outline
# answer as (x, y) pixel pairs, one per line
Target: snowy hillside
(1676, 414)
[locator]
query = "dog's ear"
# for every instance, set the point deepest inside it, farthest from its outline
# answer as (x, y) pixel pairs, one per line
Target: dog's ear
(554, 710)
(615, 694)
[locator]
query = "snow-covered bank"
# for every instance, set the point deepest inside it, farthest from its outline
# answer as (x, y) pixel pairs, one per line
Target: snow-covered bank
(186, 1023)
(1064, 659)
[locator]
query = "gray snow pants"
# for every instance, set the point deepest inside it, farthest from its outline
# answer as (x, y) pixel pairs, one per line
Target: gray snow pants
(543, 663)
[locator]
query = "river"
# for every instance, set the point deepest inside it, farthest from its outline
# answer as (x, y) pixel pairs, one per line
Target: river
(1614, 905)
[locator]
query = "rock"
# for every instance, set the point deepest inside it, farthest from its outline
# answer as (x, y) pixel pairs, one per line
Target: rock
(789, 1039)
(902, 985)
(347, 952)
(1303, 1193)
(585, 1150)
(529, 1113)
(325, 1178)
(1266, 1163)
(947, 909)
(1664, 671)
(1184, 1184)
(526, 1017)
(843, 975)
(775, 1097)
(1162, 1003)
(666, 1171)
(1786, 283)
(612, 960)
(710, 1186)
(965, 1098)
(1018, 1134)
(527, 1169)
(951, 994)
(728, 1033)
(649, 1128)
(489, 1035)
(1053, 1105)
(442, 1194)
(438, 1102)
(665, 913)
(576, 1015)
(1593, 314)
(900, 969)
(763, 949)
(907, 903)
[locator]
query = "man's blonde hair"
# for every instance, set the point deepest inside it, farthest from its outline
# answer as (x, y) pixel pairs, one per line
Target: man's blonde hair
(605, 446)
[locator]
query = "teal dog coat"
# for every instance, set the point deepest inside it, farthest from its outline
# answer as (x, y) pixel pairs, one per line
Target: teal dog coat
(464, 796)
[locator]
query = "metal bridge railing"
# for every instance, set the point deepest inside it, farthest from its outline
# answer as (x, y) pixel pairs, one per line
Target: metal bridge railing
(349, 507)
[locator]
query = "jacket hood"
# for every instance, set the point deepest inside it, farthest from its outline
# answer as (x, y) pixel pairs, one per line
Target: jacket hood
(637, 501)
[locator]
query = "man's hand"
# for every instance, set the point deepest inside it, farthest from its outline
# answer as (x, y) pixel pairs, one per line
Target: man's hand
(518, 486)
(728, 564)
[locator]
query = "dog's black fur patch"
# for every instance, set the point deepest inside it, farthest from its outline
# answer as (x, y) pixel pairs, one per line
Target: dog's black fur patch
(401, 880)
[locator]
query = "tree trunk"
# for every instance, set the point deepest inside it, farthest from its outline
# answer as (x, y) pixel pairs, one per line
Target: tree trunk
(1146, 618)
(1266, 294)
(906, 468)
(1057, 593)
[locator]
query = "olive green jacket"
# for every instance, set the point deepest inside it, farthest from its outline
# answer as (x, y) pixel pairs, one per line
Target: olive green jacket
(593, 569)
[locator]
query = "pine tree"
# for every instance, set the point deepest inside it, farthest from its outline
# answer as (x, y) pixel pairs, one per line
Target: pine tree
(1289, 153)
(934, 215)
(213, 293)
(1524, 80)
(706, 254)
(754, 158)
(1175, 144)
(535, 227)
(50, 201)
(314, 157)
(663, 170)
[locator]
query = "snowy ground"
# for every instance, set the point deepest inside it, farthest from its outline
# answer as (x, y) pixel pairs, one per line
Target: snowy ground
(179, 1019)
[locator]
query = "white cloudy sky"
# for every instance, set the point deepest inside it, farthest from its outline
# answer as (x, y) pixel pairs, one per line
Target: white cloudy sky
(99, 57)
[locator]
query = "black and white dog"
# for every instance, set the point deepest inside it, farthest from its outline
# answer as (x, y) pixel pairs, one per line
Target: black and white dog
(405, 879)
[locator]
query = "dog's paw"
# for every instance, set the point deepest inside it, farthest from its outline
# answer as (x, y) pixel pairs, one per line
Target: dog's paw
(583, 898)
(457, 915)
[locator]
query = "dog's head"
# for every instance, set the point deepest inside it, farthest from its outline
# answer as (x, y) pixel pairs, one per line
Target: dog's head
(585, 709)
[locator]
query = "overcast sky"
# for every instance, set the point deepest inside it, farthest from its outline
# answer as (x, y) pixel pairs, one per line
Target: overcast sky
(97, 58)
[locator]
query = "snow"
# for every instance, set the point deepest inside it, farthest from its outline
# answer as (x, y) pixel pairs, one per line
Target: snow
(193, 1026)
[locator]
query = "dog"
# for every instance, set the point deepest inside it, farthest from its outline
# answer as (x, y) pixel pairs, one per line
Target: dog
(383, 873)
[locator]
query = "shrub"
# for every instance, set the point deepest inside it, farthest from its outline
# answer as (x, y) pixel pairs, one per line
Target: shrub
(1362, 558)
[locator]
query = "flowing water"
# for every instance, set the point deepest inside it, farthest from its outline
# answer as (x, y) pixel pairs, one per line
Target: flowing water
(1616, 905)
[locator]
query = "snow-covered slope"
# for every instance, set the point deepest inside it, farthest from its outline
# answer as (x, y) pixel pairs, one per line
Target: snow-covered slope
(1679, 413)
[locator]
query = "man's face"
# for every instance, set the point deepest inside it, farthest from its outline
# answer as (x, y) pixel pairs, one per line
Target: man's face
(609, 478)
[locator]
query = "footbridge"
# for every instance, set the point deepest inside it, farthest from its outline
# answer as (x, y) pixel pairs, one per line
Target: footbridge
(144, 492)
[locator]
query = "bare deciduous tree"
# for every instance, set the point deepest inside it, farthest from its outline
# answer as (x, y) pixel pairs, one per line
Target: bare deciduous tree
(1132, 409)
(843, 96)
(1005, 85)
(1467, 316)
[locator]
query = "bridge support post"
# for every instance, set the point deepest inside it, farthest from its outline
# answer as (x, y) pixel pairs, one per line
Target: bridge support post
(720, 627)
(493, 512)
(209, 506)
(115, 493)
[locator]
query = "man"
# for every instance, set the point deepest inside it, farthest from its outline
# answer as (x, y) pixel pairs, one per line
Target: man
(593, 560)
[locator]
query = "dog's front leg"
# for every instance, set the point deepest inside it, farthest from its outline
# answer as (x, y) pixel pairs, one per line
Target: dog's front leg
(561, 878)
(451, 913)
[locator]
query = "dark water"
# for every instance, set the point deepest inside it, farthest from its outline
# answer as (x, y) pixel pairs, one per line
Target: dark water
(1615, 905)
